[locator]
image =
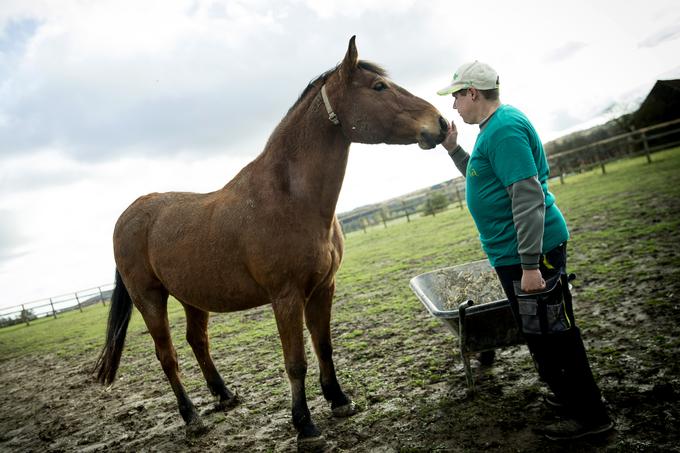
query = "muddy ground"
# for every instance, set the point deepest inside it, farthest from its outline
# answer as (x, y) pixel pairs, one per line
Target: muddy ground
(51, 403)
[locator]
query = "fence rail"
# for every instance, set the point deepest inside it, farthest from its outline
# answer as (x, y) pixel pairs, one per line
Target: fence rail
(637, 142)
(52, 306)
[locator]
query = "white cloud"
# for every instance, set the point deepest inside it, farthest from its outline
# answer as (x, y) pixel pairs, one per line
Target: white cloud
(116, 76)
(668, 33)
(356, 8)
(563, 52)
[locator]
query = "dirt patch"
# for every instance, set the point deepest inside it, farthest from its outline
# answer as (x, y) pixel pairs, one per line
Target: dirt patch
(51, 403)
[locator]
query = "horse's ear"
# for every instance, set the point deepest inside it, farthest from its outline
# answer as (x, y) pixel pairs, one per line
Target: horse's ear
(350, 61)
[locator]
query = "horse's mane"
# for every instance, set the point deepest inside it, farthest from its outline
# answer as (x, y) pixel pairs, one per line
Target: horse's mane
(365, 65)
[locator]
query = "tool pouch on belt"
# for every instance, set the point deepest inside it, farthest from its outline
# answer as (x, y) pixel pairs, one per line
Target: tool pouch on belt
(543, 312)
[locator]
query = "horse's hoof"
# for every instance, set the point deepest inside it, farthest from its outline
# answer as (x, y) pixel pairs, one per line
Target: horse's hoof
(224, 405)
(196, 427)
(346, 410)
(315, 444)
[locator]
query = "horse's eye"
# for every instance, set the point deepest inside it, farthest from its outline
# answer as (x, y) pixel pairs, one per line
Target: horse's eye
(380, 86)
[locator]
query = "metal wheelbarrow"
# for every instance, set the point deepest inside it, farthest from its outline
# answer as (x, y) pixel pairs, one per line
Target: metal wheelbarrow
(481, 325)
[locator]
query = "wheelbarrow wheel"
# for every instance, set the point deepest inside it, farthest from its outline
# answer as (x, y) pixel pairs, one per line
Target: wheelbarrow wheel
(487, 357)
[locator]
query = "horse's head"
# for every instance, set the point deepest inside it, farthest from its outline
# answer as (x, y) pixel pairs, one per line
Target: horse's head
(371, 108)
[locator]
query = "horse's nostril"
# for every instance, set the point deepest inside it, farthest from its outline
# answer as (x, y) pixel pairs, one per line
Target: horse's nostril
(443, 123)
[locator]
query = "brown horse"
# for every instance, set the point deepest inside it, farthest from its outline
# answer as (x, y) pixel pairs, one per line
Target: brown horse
(270, 236)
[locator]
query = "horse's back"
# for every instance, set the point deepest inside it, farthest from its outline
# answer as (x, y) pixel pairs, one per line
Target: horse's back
(146, 211)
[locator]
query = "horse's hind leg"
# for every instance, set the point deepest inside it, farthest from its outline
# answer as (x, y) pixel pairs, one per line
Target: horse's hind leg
(197, 336)
(318, 320)
(153, 307)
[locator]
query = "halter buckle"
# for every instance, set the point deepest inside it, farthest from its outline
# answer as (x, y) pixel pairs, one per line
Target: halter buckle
(331, 114)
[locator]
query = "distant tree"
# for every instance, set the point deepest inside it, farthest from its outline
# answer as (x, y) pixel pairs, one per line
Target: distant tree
(435, 203)
(24, 317)
(621, 115)
(27, 315)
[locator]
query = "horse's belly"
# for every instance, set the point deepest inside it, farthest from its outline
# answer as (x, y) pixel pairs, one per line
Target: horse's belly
(223, 306)
(224, 300)
(217, 288)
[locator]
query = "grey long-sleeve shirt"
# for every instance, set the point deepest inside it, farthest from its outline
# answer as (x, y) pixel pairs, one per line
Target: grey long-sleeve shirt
(528, 211)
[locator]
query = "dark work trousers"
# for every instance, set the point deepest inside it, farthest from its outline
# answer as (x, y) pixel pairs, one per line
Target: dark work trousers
(560, 357)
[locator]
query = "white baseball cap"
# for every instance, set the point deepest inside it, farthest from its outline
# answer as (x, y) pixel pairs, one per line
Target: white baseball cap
(472, 75)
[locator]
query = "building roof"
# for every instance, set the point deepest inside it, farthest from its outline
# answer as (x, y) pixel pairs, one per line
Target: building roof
(661, 104)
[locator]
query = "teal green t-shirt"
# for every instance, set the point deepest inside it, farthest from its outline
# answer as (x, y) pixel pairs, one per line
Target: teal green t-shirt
(508, 150)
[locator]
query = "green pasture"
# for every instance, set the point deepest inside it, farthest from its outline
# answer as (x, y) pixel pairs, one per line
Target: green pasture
(632, 210)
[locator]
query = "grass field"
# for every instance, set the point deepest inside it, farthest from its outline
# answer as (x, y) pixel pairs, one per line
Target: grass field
(398, 363)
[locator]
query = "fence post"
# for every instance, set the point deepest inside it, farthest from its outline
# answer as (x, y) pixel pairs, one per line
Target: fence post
(403, 205)
(561, 172)
(54, 313)
(460, 201)
(24, 314)
(101, 295)
(600, 160)
(78, 301)
(630, 141)
(646, 146)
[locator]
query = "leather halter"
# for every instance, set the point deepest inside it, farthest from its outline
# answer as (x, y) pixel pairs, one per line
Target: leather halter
(331, 114)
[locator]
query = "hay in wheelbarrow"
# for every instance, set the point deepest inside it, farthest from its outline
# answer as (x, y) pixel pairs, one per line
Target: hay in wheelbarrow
(470, 302)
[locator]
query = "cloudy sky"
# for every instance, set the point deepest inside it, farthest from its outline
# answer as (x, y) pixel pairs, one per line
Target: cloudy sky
(102, 101)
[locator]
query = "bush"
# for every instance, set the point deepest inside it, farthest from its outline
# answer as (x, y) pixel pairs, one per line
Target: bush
(24, 317)
(435, 203)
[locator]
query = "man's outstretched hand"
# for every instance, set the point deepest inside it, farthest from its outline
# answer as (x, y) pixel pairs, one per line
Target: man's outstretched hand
(451, 140)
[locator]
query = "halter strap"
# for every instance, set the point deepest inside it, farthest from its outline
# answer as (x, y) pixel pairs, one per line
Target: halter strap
(331, 114)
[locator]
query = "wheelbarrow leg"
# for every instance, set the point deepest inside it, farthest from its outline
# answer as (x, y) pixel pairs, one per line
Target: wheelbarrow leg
(463, 345)
(468, 372)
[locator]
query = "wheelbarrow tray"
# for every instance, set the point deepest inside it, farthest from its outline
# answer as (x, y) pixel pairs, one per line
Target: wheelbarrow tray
(479, 326)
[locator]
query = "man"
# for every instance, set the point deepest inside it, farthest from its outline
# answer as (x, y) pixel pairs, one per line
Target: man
(524, 236)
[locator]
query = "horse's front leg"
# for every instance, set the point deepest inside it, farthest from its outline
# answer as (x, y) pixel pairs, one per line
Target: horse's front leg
(318, 320)
(288, 311)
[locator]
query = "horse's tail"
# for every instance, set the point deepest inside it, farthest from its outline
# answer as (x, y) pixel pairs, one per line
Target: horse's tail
(119, 317)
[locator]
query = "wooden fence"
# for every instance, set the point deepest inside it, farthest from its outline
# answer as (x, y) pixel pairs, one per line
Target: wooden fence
(643, 141)
(52, 306)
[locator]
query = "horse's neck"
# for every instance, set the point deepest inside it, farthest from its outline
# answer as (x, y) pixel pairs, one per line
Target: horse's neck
(307, 157)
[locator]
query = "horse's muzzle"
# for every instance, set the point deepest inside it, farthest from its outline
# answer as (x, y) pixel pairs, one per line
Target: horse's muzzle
(428, 139)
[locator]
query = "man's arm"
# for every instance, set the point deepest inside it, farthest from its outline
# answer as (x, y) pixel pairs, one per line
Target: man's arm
(528, 213)
(460, 158)
(458, 155)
